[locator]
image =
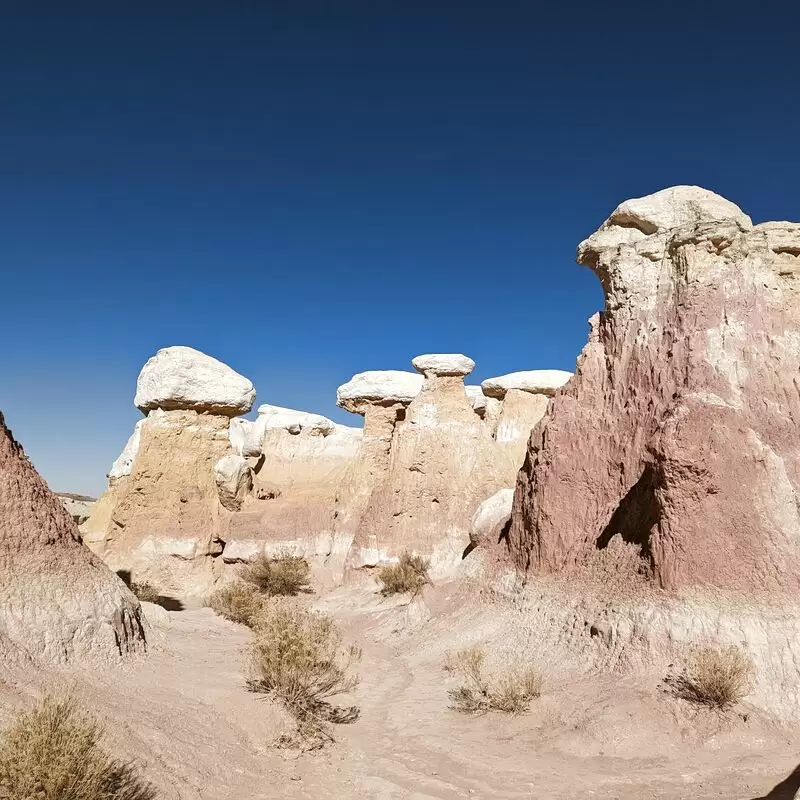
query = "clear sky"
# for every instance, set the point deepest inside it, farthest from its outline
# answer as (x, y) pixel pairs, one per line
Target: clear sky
(308, 190)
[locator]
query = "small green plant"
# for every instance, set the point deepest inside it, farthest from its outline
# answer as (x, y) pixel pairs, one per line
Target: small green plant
(408, 576)
(297, 656)
(512, 693)
(716, 677)
(237, 602)
(283, 575)
(53, 753)
(146, 592)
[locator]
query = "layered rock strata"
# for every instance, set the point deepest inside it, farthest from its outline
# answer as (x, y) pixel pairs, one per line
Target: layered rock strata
(57, 600)
(679, 432)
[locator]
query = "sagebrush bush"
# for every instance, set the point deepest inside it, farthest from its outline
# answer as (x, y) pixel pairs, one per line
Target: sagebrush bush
(408, 576)
(284, 575)
(512, 692)
(239, 602)
(146, 592)
(298, 656)
(717, 677)
(53, 753)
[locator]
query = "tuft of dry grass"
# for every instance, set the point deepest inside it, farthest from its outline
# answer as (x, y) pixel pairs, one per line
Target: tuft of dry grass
(285, 575)
(408, 576)
(297, 656)
(511, 693)
(146, 592)
(53, 753)
(239, 602)
(716, 677)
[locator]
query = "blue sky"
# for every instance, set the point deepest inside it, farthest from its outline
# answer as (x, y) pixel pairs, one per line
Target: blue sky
(308, 190)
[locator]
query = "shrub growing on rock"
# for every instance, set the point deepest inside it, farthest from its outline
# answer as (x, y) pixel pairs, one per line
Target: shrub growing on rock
(286, 575)
(297, 656)
(512, 692)
(408, 576)
(237, 602)
(53, 753)
(716, 677)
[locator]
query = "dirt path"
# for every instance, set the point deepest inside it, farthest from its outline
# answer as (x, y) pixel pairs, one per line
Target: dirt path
(185, 712)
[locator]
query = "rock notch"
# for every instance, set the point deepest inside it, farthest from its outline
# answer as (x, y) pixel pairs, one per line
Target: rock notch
(679, 432)
(57, 600)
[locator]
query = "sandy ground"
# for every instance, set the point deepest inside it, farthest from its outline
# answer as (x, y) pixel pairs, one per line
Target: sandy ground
(184, 711)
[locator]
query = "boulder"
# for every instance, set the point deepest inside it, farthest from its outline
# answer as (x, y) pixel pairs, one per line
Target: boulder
(184, 379)
(492, 517)
(234, 480)
(678, 432)
(58, 602)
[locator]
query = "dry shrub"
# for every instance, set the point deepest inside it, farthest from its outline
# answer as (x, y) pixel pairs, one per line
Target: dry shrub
(716, 677)
(146, 592)
(285, 574)
(53, 753)
(408, 576)
(512, 692)
(297, 656)
(618, 569)
(238, 602)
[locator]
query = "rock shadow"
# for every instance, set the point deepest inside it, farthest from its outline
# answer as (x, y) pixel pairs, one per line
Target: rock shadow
(786, 789)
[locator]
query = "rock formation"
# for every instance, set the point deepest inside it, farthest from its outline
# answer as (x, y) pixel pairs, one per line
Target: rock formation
(79, 506)
(57, 600)
(679, 431)
(432, 464)
(297, 461)
(515, 403)
(161, 519)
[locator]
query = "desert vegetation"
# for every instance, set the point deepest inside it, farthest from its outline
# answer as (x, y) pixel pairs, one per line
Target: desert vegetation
(716, 677)
(146, 592)
(53, 753)
(283, 575)
(408, 576)
(298, 657)
(510, 692)
(237, 602)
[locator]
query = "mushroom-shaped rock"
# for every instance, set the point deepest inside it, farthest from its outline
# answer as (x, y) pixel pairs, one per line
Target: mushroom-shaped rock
(234, 480)
(124, 463)
(378, 387)
(294, 421)
(477, 398)
(181, 378)
(492, 516)
(453, 364)
(535, 381)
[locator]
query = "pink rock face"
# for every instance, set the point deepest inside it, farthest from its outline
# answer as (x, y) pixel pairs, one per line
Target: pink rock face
(57, 600)
(680, 430)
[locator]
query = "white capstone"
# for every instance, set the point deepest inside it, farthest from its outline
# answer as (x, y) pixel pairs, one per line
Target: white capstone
(246, 437)
(477, 398)
(293, 421)
(124, 463)
(378, 387)
(536, 381)
(184, 378)
(443, 364)
(673, 207)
